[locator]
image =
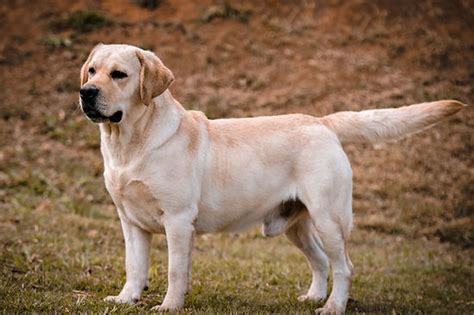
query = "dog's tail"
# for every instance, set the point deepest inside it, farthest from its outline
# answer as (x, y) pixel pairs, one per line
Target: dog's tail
(381, 125)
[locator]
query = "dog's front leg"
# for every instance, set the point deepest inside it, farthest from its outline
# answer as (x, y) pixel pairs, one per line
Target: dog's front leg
(179, 236)
(137, 255)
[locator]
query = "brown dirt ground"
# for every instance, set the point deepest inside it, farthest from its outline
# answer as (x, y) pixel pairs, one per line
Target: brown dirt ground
(265, 58)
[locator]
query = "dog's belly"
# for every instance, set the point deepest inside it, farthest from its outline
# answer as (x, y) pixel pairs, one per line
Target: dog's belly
(236, 210)
(211, 221)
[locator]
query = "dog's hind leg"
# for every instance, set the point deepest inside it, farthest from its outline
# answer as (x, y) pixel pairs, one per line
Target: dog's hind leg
(303, 234)
(326, 191)
(333, 239)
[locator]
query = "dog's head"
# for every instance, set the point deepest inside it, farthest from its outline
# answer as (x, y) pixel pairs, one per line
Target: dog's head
(116, 79)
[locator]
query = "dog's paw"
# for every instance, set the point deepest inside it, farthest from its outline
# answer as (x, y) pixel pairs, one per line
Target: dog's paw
(166, 306)
(310, 297)
(330, 310)
(163, 308)
(158, 308)
(122, 299)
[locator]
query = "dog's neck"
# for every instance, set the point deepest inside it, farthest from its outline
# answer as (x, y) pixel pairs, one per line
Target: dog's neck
(143, 127)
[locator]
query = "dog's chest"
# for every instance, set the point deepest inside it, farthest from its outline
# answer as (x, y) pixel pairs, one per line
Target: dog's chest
(134, 199)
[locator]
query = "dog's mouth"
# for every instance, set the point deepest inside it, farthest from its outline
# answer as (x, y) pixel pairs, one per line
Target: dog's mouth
(97, 117)
(117, 117)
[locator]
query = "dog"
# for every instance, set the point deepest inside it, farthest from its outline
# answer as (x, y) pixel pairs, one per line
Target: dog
(173, 171)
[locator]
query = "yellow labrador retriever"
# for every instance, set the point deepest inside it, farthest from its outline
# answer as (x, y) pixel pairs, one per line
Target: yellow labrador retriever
(174, 171)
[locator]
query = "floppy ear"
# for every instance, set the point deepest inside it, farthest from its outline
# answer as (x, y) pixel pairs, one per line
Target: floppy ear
(85, 66)
(155, 77)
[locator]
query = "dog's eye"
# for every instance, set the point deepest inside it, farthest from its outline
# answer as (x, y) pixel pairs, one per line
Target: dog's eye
(118, 74)
(91, 71)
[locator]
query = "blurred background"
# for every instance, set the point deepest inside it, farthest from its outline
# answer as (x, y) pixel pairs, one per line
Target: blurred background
(413, 200)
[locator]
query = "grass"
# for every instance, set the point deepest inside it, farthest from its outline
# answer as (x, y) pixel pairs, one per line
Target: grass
(81, 21)
(50, 269)
(63, 251)
(56, 42)
(225, 11)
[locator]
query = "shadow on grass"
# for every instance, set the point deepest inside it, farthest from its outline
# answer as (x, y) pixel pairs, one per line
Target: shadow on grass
(225, 302)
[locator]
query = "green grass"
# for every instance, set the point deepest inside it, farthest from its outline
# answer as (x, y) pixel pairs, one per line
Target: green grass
(225, 11)
(81, 21)
(63, 253)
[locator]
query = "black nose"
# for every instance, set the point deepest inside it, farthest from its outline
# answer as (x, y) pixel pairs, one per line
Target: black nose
(89, 92)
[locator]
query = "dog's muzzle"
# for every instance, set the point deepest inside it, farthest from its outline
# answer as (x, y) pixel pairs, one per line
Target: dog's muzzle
(89, 94)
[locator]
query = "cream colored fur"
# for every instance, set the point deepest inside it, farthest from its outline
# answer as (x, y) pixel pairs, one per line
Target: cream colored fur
(381, 125)
(173, 171)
